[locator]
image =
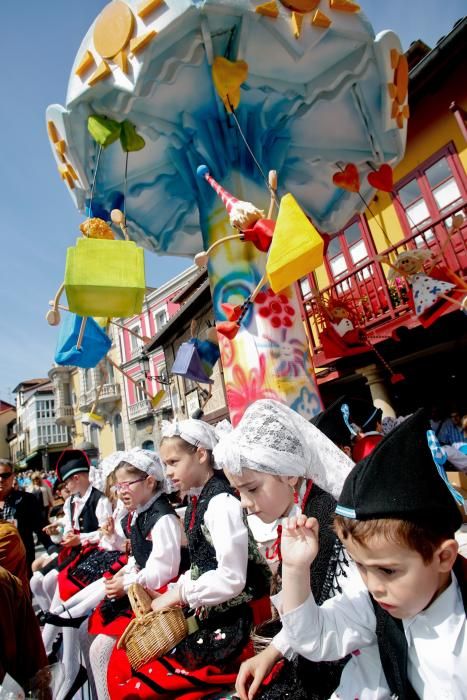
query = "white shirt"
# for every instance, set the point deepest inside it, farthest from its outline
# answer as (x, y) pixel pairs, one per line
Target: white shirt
(229, 535)
(436, 637)
(103, 511)
(164, 559)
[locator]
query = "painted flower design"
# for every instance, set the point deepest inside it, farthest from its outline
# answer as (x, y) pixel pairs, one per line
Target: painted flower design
(247, 388)
(276, 308)
(307, 404)
(292, 356)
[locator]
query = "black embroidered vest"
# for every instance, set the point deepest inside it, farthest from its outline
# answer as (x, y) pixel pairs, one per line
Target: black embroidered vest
(140, 546)
(203, 555)
(87, 519)
(392, 642)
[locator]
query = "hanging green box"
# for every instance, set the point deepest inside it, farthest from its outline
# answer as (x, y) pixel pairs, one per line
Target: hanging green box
(105, 278)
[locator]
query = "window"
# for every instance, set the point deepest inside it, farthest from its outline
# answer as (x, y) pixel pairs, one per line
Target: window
(67, 394)
(139, 393)
(430, 193)
(135, 343)
(160, 319)
(118, 431)
(347, 250)
(148, 445)
(94, 435)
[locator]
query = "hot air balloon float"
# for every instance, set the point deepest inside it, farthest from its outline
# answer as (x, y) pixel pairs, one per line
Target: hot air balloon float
(236, 133)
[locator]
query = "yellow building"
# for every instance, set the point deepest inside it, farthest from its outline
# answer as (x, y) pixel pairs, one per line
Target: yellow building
(425, 209)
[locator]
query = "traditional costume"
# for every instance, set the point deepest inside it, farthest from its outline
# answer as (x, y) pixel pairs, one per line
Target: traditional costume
(227, 586)
(424, 656)
(154, 533)
(273, 439)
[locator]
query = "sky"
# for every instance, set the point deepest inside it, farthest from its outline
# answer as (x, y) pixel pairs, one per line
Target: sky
(38, 220)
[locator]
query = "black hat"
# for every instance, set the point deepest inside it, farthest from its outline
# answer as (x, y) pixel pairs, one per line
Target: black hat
(331, 423)
(72, 462)
(400, 479)
(364, 414)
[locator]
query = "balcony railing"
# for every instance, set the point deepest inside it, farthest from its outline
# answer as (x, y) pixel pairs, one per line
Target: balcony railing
(379, 303)
(64, 414)
(109, 394)
(141, 409)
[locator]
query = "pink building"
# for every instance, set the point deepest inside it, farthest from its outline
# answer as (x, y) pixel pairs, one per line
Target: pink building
(141, 423)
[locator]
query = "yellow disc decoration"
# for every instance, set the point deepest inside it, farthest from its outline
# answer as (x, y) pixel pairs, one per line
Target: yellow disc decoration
(113, 29)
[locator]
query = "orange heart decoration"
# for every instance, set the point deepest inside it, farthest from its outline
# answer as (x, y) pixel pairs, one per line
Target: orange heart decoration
(228, 328)
(232, 312)
(348, 179)
(382, 179)
(228, 77)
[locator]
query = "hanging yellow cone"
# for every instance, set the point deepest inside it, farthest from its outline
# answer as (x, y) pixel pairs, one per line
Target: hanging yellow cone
(296, 248)
(155, 401)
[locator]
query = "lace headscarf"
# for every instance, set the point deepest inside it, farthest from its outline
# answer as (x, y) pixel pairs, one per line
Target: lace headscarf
(274, 439)
(144, 460)
(196, 432)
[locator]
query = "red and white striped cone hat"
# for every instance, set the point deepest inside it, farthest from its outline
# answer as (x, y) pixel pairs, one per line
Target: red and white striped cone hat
(226, 197)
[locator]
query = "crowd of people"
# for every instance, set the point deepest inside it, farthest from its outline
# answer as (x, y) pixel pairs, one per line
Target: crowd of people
(312, 559)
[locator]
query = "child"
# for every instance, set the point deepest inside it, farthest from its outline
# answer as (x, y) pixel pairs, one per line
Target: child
(397, 519)
(155, 534)
(226, 577)
(277, 461)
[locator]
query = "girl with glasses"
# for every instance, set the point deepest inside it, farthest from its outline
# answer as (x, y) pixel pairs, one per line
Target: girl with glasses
(227, 583)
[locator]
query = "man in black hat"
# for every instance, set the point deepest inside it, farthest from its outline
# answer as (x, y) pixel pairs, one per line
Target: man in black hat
(397, 516)
(331, 422)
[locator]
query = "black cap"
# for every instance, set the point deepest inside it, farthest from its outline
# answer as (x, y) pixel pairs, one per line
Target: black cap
(331, 423)
(72, 462)
(400, 480)
(364, 414)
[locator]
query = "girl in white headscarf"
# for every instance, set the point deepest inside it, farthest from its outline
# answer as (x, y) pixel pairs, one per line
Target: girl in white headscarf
(226, 577)
(282, 465)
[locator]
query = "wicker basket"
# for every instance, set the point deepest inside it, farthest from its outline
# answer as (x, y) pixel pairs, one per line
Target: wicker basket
(151, 634)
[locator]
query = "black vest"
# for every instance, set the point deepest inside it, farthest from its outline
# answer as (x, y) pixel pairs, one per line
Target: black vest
(140, 546)
(87, 519)
(392, 642)
(203, 555)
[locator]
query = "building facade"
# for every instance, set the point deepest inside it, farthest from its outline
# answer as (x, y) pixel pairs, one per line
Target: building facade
(37, 440)
(7, 427)
(149, 370)
(426, 209)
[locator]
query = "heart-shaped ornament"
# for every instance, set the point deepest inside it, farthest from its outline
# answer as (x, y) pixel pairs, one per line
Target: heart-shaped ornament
(260, 234)
(348, 179)
(382, 179)
(228, 328)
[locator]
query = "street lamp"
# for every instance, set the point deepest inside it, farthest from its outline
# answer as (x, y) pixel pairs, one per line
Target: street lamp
(144, 361)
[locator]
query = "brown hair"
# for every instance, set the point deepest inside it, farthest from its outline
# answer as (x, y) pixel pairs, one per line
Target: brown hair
(191, 449)
(422, 538)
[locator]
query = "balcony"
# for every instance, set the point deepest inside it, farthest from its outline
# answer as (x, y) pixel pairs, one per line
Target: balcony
(141, 409)
(110, 393)
(64, 415)
(380, 307)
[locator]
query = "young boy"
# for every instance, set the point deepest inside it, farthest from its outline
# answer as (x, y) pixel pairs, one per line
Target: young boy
(397, 519)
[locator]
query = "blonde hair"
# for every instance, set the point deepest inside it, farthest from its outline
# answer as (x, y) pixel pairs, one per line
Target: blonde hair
(419, 256)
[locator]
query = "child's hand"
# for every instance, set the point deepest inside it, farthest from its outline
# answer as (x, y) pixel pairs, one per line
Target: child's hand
(114, 587)
(167, 600)
(253, 672)
(108, 528)
(71, 540)
(299, 542)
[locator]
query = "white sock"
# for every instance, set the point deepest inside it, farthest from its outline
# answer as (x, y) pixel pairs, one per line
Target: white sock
(100, 653)
(84, 601)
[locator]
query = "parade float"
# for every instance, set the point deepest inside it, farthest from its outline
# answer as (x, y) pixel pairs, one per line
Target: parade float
(240, 134)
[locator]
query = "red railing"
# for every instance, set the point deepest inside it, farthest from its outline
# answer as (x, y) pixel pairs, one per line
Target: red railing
(377, 302)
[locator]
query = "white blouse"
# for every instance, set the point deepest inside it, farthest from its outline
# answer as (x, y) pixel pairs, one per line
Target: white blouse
(103, 511)
(229, 535)
(436, 637)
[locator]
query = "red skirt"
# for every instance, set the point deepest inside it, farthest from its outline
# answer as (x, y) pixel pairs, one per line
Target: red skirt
(88, 566)
(169, 678)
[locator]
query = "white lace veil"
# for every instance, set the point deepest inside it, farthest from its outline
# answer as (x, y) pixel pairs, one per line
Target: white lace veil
(274, 439)
(196, 432)
(144, 460)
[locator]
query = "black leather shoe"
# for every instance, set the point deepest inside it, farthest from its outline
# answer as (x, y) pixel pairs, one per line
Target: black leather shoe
(78, 683)
(52, 619)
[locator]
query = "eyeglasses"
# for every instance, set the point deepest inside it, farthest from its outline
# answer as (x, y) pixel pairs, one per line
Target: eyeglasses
(125, 485)
(6, 475)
